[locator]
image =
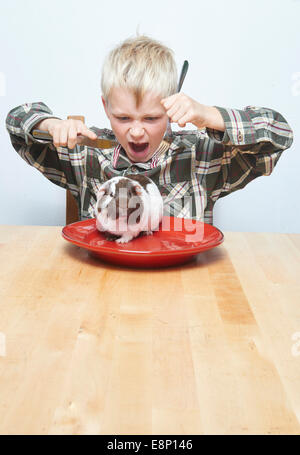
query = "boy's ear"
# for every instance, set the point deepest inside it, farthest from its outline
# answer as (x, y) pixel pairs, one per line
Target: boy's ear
(104, 105)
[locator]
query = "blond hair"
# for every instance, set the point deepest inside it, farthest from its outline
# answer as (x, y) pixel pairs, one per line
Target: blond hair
(140, 64)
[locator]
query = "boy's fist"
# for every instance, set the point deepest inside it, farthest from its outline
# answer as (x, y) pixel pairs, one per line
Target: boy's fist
(182, 109)
(66, 132)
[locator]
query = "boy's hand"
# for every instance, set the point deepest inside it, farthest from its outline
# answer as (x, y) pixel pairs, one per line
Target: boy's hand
(66, 132)
(182, 109)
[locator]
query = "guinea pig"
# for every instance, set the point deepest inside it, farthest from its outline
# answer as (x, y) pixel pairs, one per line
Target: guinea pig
(128, 206)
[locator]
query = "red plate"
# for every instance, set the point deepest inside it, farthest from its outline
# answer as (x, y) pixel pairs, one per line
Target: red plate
(177, 241)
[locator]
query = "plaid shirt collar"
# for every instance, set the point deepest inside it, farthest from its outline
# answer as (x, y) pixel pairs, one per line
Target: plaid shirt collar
(121, 161)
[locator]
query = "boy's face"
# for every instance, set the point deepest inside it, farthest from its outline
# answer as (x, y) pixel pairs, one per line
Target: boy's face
(139, 130)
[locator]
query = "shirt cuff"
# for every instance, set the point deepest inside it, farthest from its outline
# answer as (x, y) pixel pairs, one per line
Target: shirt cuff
(29, 122)
(239, 129)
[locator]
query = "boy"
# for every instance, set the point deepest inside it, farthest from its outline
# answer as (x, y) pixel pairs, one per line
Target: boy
(139, 83)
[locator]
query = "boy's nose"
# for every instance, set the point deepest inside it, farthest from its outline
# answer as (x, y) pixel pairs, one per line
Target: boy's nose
(137, 131)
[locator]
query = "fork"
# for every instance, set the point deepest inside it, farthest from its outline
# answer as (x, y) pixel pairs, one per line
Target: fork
(165, 144)
(184, 69)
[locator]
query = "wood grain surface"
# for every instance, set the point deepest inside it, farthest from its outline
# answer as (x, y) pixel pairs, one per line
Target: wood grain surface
(210, 347)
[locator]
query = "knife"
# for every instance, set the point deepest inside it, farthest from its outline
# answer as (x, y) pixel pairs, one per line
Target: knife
(81, 140)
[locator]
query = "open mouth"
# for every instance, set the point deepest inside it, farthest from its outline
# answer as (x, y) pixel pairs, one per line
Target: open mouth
(139, 147)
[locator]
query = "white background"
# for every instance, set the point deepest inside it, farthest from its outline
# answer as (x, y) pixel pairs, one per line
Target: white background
(240, 53)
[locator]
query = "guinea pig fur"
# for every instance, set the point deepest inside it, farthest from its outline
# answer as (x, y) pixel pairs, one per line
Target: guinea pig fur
(128, 206)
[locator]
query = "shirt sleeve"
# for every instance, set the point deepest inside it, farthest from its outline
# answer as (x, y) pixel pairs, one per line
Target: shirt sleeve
(62, 166)
(251, 145)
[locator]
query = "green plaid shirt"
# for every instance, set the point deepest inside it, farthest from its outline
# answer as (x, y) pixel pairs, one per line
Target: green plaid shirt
(199, 167)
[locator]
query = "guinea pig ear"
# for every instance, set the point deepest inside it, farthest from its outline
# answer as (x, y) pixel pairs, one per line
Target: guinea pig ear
(137, 190)
(100, 193)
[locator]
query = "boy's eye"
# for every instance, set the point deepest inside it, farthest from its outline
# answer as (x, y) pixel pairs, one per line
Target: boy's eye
(125, 119)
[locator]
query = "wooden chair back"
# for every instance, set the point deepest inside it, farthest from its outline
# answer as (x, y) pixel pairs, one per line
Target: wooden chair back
(72, 210)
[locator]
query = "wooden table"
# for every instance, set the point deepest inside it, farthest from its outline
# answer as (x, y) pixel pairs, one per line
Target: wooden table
(210, 347)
